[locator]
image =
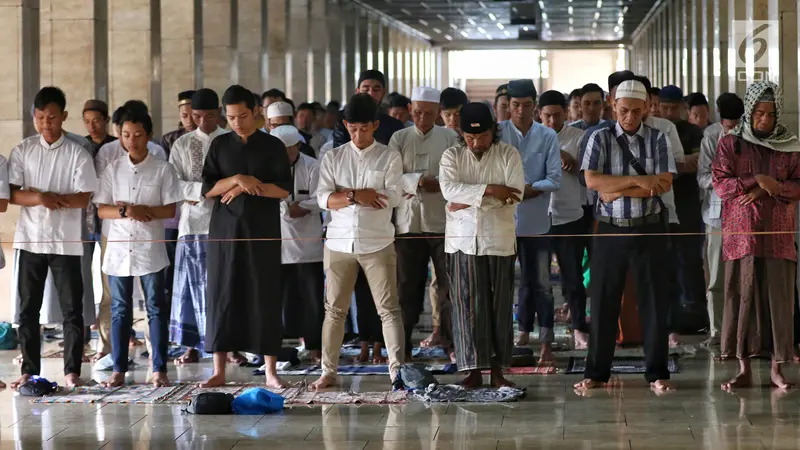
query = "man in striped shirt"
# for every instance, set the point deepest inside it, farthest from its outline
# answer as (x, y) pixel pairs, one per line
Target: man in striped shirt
(628, 164)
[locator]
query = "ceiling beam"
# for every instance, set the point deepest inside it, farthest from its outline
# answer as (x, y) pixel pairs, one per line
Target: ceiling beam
(482, 44)
(391, 20)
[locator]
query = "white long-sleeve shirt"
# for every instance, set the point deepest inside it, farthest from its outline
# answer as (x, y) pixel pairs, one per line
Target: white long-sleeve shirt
(566, 204)
(487, 227)
(63, 167)
(360, 229)
(302, 236)
(676, 152)
(421, 153)
(187, 157)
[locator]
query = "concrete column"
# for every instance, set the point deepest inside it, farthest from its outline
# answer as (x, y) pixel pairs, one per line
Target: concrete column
(276, 44)
(719, 48)
(335, 32)
(383, 43)
(81, 71)
(134, 59)
(220, 24)
(319, 52)
(362, 35)
(181, 50)
(737, 10)
(706, 43)
(676, 24)
(443, 69)
(688, 57)
(398, 82)
(374, 61)
(664, 43)
(350, 48)
(250, 45)
(790, 42)
(297, 88)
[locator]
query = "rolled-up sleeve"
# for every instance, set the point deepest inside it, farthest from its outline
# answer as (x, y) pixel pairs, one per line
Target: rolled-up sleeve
(327, 184)
(455, 191)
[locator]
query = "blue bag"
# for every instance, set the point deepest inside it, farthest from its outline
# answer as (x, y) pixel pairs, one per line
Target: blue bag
(257, 401)
(8, 336)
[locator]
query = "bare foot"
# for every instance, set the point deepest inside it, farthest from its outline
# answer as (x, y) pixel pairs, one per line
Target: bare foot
(2, 385)
(315, 355)
(160, 379)
(777, 379)
(364, 355)
(117, 379)
(322, 382)
(434, 340)
(237, 358)
(20, 381)
(98, 356)
(662, 385)
(523, 339)
(741, 380)
(588, 383)
(452, 355)
(498, 380)
(473, 380)
(674, 340)
(546, 354)
(275, 382)
(190, 356)
(18, 360)
(581, 340)
(72, 380)
(133, 342)
(218, 379)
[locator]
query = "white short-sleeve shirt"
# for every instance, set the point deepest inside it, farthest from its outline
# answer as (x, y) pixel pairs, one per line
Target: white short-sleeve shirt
(131, 250)
(5, 194)
(62, 168)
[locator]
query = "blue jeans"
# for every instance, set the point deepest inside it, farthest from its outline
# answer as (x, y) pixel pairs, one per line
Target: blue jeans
(535, 290)
(122, 319)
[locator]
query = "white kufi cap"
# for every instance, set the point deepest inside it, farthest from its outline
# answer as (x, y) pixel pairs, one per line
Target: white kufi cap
(279, 109)
(425, 94)
(288, 134)
(631, 89)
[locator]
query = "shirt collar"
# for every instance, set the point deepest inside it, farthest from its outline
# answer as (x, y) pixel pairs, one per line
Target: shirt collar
(55, 145)
(620, 131)
(205, 136)
(426, 135)
(141, 164)
(360, 151)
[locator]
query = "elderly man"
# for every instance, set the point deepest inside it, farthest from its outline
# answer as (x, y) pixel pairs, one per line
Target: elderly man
(188, 314)
(730, 108)
(541, 159)
(628, 164)
(756, 173)
(420, 217)
(482, 180)
(360, 183)
(571, 225)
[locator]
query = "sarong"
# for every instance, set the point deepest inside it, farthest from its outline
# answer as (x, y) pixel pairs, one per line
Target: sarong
(187, 325)
(482, 293)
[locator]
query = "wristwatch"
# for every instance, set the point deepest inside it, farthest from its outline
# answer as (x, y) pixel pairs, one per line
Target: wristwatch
(123, 211)
(351, 197)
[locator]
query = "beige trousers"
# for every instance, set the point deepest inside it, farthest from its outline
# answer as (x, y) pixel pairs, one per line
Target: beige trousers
(341, 270)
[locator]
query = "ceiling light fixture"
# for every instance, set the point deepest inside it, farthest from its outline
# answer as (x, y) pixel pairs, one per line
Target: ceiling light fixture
(569, 10)
(492, 17)
(625, 10)
(541, 4)
(616, 29)
(424, 5)
(594, 24)
(544, 16)
(471, 21)
(406, 12)
(599, 4)
(481, 30)
(507, 33)
(423, 22)
(448, 37)
(571, 29)
(489, 37)
(620, 21)
(525, 29)
(596, 15)
(454, 27)
(500, 25)
(483, 5)
(464, 33)
(571, 21)
(547, 25)
(437, 31)
(441, 17)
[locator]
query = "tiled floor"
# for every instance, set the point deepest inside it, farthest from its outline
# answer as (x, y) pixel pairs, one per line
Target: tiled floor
(627, 416)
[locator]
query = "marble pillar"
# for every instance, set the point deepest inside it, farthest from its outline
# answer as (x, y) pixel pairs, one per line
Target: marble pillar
(219, 44)
(790, 42)
(181, 41)
(362, 57)
(276, 43)
(319, 82)
(250, 45)
(383, 44)
(134, 59)
(335, 32)
(297, 61)
(350, 49)
(74, 52)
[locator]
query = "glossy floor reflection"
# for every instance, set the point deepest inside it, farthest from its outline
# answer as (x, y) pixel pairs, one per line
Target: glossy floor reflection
(626, 416)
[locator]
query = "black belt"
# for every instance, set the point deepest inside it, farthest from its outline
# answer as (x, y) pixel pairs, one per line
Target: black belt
(630, 223)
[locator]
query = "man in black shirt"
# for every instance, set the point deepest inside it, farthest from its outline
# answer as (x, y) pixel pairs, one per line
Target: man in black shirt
(95, 119)
(371, 82)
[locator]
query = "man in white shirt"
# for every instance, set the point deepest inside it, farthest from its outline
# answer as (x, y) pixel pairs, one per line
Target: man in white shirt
(187, 325)
(136, 194)
(570, 226)
(107, 154)
(482, 180)
(420, 216)
(5, 195)
(51, 178)
(282, 113)
(301, 249)
(360, 183)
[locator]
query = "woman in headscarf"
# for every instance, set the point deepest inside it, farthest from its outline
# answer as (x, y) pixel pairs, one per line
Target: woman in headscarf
(756, 173)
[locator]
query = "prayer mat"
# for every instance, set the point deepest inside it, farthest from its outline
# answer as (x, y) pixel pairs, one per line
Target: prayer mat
(59, 353)
(529, 370)
(622, 365)
(128, 394)
(303, 396)
(417, 353)
(436, 369)
(446, 393)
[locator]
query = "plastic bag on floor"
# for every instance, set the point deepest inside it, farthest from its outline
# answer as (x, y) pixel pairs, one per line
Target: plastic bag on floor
(257, 401)
(416, 377)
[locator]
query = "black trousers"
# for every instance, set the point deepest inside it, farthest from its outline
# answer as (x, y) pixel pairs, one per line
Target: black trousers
(613, 257)
(688, 275)
(304, 302)
(412, 275)
(569, 253)
(170, 235)
(69, 286)
(370, 328)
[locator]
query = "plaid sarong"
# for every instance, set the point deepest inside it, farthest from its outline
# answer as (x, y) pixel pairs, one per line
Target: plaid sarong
(187, 324)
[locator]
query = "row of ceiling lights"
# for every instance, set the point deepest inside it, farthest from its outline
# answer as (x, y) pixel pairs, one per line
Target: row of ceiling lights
(617, 29)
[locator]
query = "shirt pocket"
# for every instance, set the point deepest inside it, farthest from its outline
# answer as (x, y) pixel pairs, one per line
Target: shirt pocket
(421, 163)
(375, 179)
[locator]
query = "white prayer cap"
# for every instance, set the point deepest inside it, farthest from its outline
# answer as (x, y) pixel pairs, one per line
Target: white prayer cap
(279, 109)
(631, 89)
(425, 94)
(287, 134)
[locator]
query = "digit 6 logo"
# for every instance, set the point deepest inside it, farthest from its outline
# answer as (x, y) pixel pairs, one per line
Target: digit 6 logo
(754, 39)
